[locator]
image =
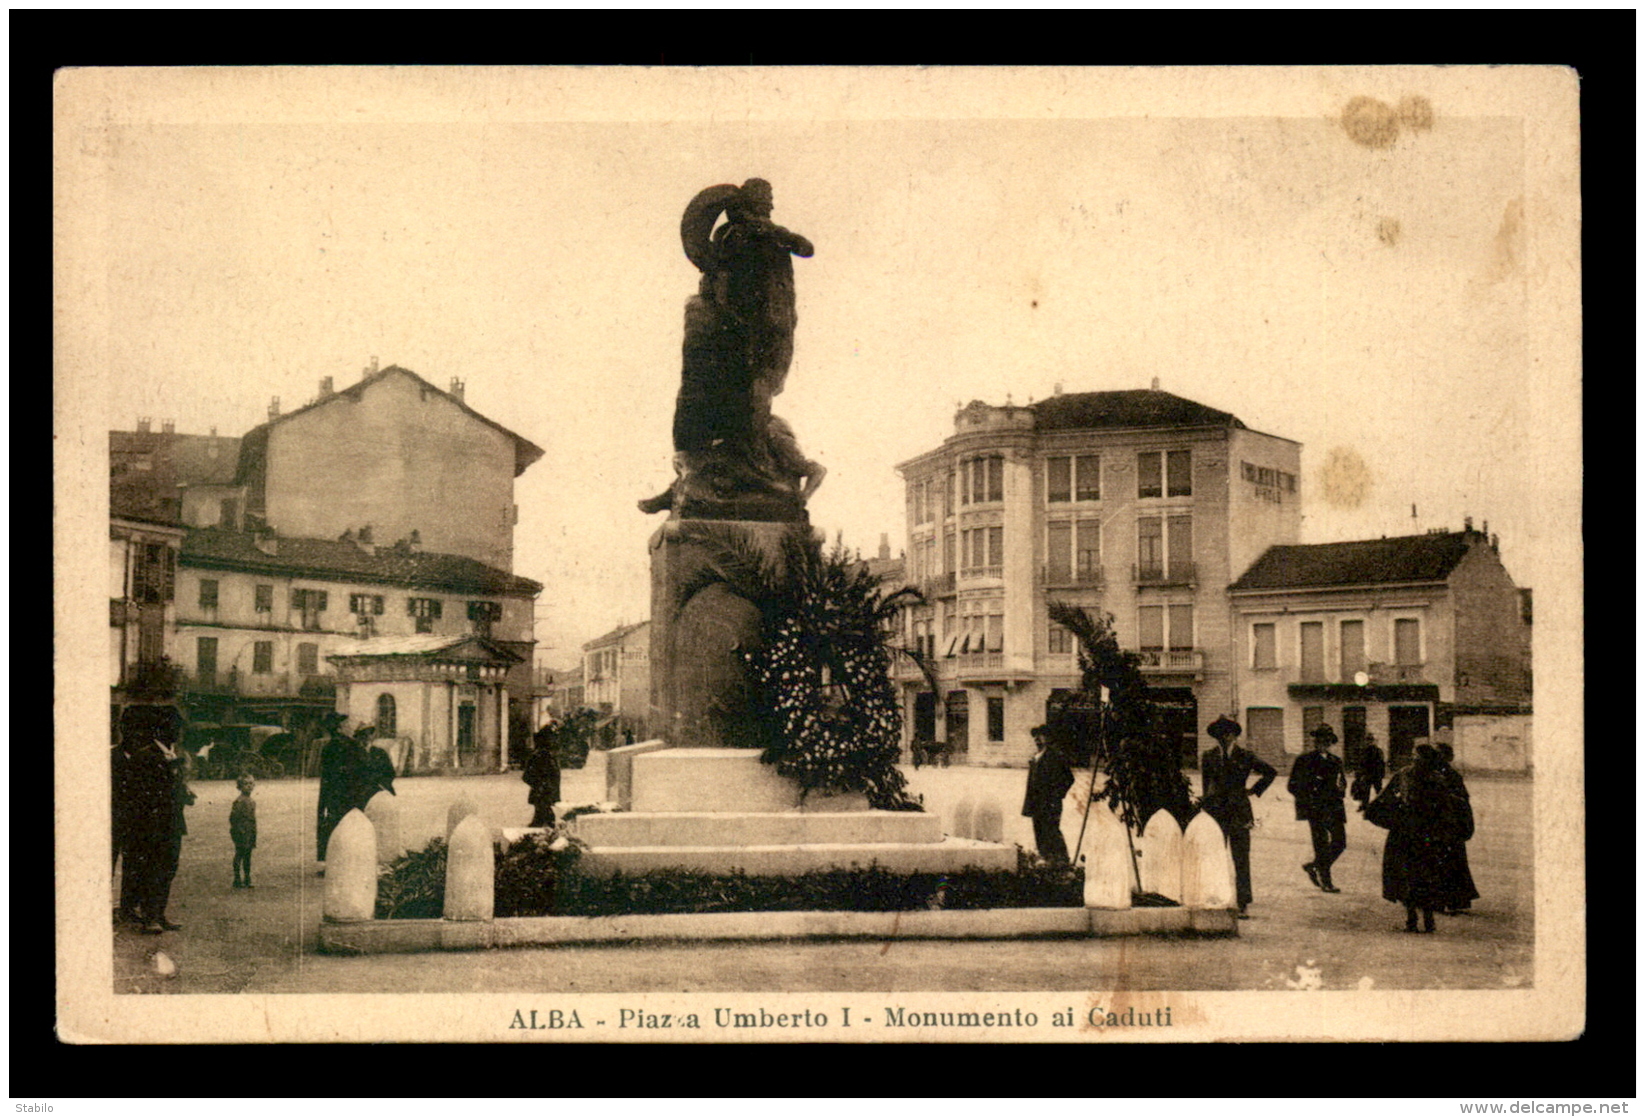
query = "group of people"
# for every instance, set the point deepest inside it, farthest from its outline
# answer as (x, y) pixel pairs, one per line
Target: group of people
(1425, 808)
(352, 770)
(150, 793)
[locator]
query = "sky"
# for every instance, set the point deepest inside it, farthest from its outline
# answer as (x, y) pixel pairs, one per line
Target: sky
(1371, 302)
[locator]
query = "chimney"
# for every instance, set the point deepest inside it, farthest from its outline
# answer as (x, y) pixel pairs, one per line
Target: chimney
(885, 545)
(274, 408)
(1468, 523)
(364, 535)
(1155, 385)
(1056, 389)
(373, 364)
(264, 539)
(325, 387)
(415, 541)
(457, 387)
(143, 424)
(214, 432)
(1494, 543)
(1485, 527)
(168, 426)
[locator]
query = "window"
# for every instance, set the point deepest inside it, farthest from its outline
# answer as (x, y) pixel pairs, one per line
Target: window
(262, 657)
(1087, 550)
(1179, 545)
(483, 614)
(1313, 651)
(1353, 649)
(1263, 647)
(996, 719)
(153, 574)
(982, 480)
(208, 593)
(1150, 547)
(205, 659)
(366, 604)
(1059, 485)
(996, 632)
(948, 551)
(310, 604)
(308, 659)
(1086, 486)
(982, 550)
(1061, 641)
(263, 596)
(387, 723)
(1151, 628)
(1058, 541)
(1165, 473)
(1179, 480)
(1180, 627)
(1407, 642)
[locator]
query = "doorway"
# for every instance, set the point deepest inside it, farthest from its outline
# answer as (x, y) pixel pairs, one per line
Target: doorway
(1353, 735)
(959, 724)
(1405, 725)
(925, 716)
(465, 734)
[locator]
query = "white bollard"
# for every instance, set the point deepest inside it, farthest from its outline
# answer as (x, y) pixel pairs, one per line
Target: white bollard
(1107, 850)
(963, 824)
(351, 870)
(988, 824)
(1161, 862)
(383, 812)
(461, 809)
(1207, 866)
(471, 869)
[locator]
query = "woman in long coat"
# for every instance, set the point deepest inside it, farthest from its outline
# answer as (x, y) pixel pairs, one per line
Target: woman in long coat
(1427, 823)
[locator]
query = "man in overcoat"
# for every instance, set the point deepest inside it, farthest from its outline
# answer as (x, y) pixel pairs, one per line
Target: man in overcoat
(1224, 772)
(337, 759)
(542, 774)
(1317, 784)
(1049, 778)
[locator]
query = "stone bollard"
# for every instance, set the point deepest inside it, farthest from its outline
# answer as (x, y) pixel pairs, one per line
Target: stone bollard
(471, 869)
(1161, 862)
(351, 870)
(461, 809)
(1207, 866)
(1107, 853)
(383, 812)
(963, 825)
(988, 824)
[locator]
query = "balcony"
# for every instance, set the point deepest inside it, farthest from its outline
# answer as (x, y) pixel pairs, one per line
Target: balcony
(1174, 574)
(1172, 661)
(1086, 578)
(938, 585)
(982, 572)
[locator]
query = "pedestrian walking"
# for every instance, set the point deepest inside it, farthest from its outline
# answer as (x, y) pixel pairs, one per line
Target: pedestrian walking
(1370, 773)
(1464, 893)
(1427, 821)
(1316, 784)
(1225, 796)
(1049, 778)
(157, 796)
(542, 775)
(242, 829)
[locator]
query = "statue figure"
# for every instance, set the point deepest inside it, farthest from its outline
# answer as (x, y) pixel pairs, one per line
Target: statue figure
(733, 459)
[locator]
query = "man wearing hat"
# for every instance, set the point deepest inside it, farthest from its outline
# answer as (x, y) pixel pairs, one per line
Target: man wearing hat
(1224, 771)
(1317, 783)
(1049, 779)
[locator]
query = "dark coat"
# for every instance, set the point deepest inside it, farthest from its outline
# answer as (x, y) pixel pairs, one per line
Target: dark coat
(542, 772)
(1316, 783)
(336, 768)
(373, 772)
(1428, 821)
(1049, 779)
(1223, 792)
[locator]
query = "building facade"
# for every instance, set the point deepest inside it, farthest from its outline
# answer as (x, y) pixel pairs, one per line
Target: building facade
(262, 619)
(617, 677)
(1387, 637)
(1139, 504)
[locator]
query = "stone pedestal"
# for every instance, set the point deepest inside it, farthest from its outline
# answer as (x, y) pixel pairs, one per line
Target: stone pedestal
(697, 675)
(351, 870)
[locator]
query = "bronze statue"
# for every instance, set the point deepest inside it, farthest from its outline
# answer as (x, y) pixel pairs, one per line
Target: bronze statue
(732, 457)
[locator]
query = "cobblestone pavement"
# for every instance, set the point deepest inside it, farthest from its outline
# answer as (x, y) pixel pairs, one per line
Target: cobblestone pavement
(263, 939)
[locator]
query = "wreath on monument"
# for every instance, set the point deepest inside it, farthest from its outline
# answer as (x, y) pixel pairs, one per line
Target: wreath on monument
(819, 698)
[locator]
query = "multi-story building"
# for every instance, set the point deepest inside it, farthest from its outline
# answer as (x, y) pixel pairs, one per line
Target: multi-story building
(1141, 504)
(287, 569)
(1391, 637)
(617, 676)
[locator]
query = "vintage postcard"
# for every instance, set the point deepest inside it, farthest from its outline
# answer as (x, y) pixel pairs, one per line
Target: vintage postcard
(505, 480)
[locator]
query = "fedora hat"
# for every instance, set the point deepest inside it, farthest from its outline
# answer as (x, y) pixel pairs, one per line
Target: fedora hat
(1223, 728)
(1323, 733)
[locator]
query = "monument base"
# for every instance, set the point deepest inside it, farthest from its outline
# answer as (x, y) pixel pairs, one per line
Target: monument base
(722, 811)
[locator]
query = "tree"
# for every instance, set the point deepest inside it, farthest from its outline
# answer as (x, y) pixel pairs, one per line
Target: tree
(1144, 774)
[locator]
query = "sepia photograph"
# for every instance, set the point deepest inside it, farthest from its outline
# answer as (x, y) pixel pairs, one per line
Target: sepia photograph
(750, 555)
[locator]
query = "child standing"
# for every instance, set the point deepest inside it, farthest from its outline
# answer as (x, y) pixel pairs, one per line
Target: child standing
(242, 827)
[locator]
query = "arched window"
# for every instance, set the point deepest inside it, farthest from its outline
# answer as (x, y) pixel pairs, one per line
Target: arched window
(385, 716)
